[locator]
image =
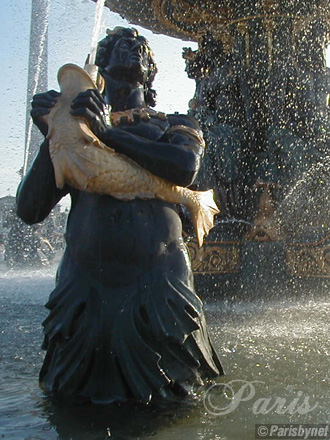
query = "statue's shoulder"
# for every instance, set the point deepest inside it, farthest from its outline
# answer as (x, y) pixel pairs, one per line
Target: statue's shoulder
(180, 119)
(187, 126)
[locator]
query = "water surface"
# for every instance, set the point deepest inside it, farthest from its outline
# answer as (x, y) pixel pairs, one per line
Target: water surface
(279, 343)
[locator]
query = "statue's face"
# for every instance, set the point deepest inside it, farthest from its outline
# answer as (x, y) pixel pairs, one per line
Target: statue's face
(129, 60)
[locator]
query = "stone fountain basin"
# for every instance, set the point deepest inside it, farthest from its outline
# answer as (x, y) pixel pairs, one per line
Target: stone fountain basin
(187, 19)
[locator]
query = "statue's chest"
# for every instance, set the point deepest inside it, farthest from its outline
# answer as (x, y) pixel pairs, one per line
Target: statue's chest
(149, 125)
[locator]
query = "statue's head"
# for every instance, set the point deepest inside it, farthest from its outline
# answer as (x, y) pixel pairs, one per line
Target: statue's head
(124, 54)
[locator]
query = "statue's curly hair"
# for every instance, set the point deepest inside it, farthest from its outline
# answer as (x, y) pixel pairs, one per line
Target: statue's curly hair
(106, 46)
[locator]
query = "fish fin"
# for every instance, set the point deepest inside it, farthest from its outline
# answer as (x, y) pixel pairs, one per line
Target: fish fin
(203, 211)
(90, 137)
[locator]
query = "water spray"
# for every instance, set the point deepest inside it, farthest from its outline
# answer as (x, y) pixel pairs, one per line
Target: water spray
(90, 65)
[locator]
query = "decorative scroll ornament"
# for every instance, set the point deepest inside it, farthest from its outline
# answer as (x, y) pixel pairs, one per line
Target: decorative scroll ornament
(215, 257)
(303, 260)
(309, 260)
(191, 17)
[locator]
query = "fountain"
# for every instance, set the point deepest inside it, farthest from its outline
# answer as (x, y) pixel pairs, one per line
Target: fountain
(262, 102)
(276, 344)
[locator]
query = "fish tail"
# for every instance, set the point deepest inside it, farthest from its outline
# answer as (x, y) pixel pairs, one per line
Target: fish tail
(203, 208)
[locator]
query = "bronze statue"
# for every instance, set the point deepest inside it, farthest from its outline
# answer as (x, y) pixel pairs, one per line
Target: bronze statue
(124, 321)
(81, 160)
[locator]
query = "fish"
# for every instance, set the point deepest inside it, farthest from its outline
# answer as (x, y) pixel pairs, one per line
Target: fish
(81, 160)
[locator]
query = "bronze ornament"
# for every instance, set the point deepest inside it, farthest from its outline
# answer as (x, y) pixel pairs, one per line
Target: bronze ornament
(215, 257)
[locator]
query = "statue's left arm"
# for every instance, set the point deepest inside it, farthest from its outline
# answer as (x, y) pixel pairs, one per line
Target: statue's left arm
(175, 156)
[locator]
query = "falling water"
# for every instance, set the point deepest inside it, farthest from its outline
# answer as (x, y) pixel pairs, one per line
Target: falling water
(37, 62)
(96, 30)
(307, 204)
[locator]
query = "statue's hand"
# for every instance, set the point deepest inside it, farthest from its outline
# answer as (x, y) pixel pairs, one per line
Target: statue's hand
(42, 103)
(90, 105)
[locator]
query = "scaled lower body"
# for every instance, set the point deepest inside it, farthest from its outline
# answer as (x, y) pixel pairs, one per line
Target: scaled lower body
(143, 339)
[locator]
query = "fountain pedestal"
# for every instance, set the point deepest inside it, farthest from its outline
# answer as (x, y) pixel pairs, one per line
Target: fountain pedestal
(262, 89)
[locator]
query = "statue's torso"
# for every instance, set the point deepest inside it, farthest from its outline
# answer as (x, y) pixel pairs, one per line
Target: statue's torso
(110, 238)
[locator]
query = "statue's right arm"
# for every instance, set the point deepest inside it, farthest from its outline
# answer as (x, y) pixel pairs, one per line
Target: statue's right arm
(37, 193)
